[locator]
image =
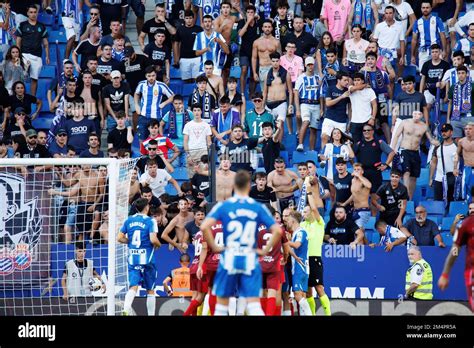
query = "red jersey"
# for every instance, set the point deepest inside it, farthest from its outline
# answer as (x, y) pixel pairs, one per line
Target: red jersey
(197, 242)
(465, 236)
(212, 259)
(164, 144)
(270, 262)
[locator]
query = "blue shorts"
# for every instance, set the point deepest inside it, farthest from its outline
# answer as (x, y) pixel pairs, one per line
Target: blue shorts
(144, 275)
(226, 285)
(300, 281)
(361, 216)
(137, 7)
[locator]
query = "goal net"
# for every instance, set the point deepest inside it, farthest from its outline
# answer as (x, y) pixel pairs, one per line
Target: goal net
(58, 224)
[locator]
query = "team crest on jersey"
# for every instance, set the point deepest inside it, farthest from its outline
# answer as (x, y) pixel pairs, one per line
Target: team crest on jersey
(20, 224)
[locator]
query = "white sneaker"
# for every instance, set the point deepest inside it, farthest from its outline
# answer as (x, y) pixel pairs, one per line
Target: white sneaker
(300, 148)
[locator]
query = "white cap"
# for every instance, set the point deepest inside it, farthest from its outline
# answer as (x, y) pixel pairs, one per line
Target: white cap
(309, 60)
(115, 74)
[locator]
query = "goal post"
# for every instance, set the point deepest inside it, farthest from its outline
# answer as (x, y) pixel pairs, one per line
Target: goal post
(34, 244)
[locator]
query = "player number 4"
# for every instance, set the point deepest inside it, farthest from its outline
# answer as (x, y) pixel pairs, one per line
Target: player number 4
(136, 241)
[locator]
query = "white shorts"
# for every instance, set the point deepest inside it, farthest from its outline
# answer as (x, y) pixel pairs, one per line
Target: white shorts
(71, 27)
(279, 112)
(396, 146)
(36, 65)
(329, 125)
(447, 28)
(430, 98)
(423, 57)
(311, 113)
(19, 18)
(189, 67)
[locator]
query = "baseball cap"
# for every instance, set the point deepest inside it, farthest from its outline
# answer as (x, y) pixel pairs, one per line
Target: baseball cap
(446, 127)
(309, 60)
(340, 160)
(19, 110)
(61, 131)
(30, 133)
(115, 74)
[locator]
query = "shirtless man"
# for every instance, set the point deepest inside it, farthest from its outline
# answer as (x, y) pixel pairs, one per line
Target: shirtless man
(178, 224)
(224, 181)
(90, 187)
(261, 50)
(360, 189)
(412, 131)
(283, 182)
(277, 84)
(215, 83)
(223, 25)
(466, 151)
(92, 107)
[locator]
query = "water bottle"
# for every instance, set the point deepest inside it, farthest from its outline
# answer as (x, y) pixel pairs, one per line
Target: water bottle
(410, 242)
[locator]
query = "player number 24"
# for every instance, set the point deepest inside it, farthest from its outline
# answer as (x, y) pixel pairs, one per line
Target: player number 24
(242, 235)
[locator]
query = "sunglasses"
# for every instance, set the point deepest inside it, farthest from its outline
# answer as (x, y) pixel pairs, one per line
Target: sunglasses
(257, 100)
(152, 149)
(33, 137)
(21, 114)
(62, 135)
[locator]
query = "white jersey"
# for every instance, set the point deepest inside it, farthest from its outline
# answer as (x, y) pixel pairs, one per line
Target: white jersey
(78, 278)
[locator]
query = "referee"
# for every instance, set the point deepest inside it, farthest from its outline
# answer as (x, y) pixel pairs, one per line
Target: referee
(313, 224)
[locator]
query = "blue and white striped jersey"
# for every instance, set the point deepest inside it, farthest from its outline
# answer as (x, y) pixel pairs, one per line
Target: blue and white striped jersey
(72, 8)
(5, 35)
(465, 46)
(428, 31)
(137, 228)
(308, 87)
(216, 54)
(151, 96)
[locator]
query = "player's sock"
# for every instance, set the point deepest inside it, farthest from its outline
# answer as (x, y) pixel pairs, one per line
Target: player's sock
(292, 308)
(271, 306)
(241, 306)
(221, 310)
(254, 308)
(129, 297)
(287, 313)
(199, 310)
(312, 304)
(192, 309)
(205, 306)
(150, 304)
(263, 303)
(278, 311)
(326, 304)
(304, 307)
(212, 303)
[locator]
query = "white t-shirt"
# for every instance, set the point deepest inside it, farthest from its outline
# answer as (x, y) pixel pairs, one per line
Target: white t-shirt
(405, 10)
(158, 183)
(449, 153)
(361, 107)
(197, 132)
(356, 51)
(389, 36)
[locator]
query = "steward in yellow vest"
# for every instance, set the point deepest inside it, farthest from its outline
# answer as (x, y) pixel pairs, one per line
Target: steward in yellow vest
(419, 277)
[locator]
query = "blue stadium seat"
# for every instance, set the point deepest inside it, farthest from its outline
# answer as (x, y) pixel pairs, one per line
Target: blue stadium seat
(235, 71)
(447, 238)
(298, 157)
(260, 170)
(423, 180)
(59, 36)
(284, 155)
(410, 208)
(370, 225)
(176, 86)
(46, 19)
(417, 195)
(289, 142)
(180, 174)
(374, 237)
(434, 207)
(43, 86)
(171, 190)
(187, 89)
(320, 172)
(175, 73)
(386, 175)
(459, 207)
(48, 72)
(436, 218)
(43, 121)
(446, 224)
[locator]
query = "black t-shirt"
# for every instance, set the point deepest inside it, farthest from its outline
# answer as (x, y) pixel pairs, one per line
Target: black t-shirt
(240, 154)
(252, 34)
(270, 151)
(236, 100)
(285, 27)
(134, 71)
(97, 80)
(116, 96)
(191, 228)
(141, 164)
(28, 99)
(39, 151)
(391, 198)
(157, 55)
(32, 37)
(266, 196)
(409, 102)
(151, 27)
(343, 233)
(369, 153)
(154, 203)
(187, 35)
(201, 183)
(434, 73)
(86, 49)
(343, 187)
(87, 154)
(105, 68)
(118, 138)
(337, 112)
(111, 10)
(12, 130)
(304, 43)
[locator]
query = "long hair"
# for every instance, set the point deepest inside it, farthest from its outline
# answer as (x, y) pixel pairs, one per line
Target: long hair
(332, 44)
(9, 57)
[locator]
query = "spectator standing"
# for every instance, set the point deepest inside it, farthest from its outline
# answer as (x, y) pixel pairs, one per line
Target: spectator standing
(78, 128)
(292, 63)
(86, 48)
(461, 102)
(115, 33)
(424, 230)
(283, 22)
(20, 98)
(116, 98)
(237, 100)
(134, 72)
(326, 43)
(14, 67)
(270, 146)
(112, 10)
(93, 97)
(94, 148)
(256, 117)
(204, 98)
(335, 16)
(393, 200)
(157, 179)
(155, 154)
(29, 37)
(174, 121)
(263, 193)
(390, 236)
(465, 152)
(71, 19)
(353, 53)
(239, 149)
(338, 147)
(33, 149)
(105, 63)
(94, 13)
(342, 181)
(364, 14)
(158, 22)
(59, 148)
(164, 143)
(159, 56)
(223, 119)
(305, 42)
(121, 137)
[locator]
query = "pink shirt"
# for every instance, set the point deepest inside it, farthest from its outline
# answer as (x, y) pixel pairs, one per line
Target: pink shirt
(337, 16)
(294, 67)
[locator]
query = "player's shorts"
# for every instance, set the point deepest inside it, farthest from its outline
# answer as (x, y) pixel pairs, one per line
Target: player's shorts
(300, 281)
(329, 125)
(286, 285)
(36, 65)
(71, 27)
(315, 271)
(278, 109)
(411, 162)
(375, 177)
(469, 280)
(271, 280)
(430, 98)
(199, 285)
(144, 275)
(189, 68)
(361, 216)
(248, 286)
(311, 113)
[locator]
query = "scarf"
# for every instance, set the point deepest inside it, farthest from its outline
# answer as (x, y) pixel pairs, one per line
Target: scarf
(303, 199)
(377, 83)
(265, 8)
(172, 123)
(205, 101)
(58, 122)
(278, 25)
(363, 15)
(461, 99)
(459, 191)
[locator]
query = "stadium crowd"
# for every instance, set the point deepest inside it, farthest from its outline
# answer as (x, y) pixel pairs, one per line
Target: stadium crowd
(347, 102)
